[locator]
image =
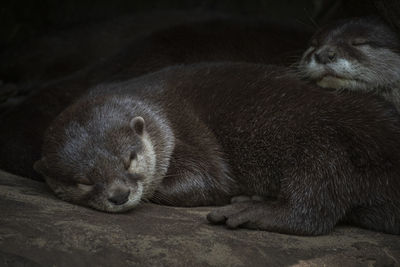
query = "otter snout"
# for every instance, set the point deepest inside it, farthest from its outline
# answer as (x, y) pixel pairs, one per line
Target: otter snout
(325, 55)
(119, 196)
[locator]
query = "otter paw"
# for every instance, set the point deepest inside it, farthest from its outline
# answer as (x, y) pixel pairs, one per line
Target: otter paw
(220, 215)
(251, 215)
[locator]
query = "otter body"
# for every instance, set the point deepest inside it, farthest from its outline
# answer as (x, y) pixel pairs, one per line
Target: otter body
(203, 134)
(359, 54)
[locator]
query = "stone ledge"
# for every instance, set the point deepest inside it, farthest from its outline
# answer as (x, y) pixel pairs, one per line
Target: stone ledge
(36, 229)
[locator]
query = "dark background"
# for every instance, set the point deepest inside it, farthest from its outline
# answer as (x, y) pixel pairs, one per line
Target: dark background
(43, 40)
(22, 20)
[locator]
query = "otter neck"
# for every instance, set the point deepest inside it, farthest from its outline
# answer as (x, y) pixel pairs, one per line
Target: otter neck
(161, 136)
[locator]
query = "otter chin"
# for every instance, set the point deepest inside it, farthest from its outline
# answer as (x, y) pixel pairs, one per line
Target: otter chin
(336, 82)
(115, 197)
(359, 54)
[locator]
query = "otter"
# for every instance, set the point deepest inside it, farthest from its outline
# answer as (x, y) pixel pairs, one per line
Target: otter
(203, 135)
(359, 54)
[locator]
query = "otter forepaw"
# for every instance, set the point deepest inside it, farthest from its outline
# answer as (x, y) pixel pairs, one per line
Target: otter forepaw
(220, 215)
(250, 214)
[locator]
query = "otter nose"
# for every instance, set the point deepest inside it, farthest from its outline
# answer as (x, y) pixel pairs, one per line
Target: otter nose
(325, 56)
(119, 197)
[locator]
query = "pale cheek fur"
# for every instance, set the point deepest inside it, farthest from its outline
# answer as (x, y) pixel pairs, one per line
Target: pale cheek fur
(145, 162)
(342, 66)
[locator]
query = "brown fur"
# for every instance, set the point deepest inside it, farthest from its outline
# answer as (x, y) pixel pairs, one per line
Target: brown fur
(320, 157)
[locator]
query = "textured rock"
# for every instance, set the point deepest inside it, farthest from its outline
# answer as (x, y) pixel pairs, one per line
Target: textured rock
(37, 229)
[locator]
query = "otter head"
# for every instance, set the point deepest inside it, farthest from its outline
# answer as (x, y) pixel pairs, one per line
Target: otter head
(355, 54)
(98, 153)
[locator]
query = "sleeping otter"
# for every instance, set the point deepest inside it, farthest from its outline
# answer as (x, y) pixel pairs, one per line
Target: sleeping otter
(202, 134)
(360, 54)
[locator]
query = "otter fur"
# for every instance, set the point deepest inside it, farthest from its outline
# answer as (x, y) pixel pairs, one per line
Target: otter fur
(206, 133)
(359, 54)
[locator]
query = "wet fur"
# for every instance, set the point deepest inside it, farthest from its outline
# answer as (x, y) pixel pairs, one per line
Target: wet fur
(320, 157)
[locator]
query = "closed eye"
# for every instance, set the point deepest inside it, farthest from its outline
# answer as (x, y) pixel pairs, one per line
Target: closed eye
(85, 187)
(83, 180)
(359, 42)
(84, 183)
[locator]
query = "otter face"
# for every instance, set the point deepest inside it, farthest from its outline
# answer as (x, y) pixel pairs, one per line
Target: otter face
(101, 158)
(356, 54)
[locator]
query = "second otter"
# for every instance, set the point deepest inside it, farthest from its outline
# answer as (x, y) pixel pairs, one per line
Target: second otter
(361, 54)
(201, 134)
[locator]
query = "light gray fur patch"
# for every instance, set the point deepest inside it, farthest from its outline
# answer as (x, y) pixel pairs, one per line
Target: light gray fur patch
(145, 161)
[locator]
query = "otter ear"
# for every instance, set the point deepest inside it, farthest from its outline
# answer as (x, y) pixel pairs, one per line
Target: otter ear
(40, 166)
(137, 124)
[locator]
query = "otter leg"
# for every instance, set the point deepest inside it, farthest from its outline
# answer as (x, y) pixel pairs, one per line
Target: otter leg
(190, 189)
(309, 203)
(272, 216)
(195, 179)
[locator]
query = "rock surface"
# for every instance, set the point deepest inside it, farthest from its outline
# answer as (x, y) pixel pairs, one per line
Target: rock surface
(37, 229)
